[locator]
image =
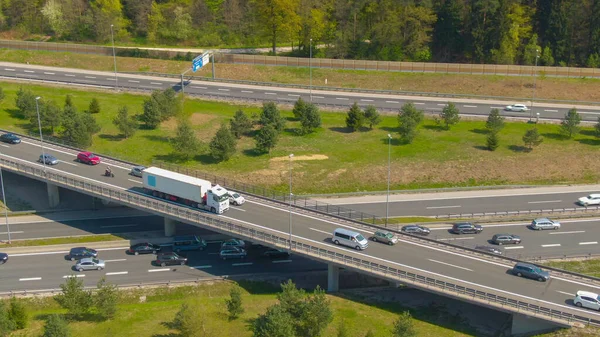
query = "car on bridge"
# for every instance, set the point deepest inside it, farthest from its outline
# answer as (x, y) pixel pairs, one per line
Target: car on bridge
(88, 158)
(89, 264)
(10, 138)
(522, 269)
(169, 259)
(466, 228)
(587, 299)
(136, 171)
(48, 159)
(275, 253)
(502, 239)
(235, 198)
(144, 248)
(385, 237)
(592, 199)
(415, 229)
(3, 258)
(544, 223)
(517, 107)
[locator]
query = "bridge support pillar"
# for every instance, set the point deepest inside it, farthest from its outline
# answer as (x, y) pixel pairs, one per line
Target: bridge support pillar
(523, 325)
(170, 227)
(333, 278)
(53, 196)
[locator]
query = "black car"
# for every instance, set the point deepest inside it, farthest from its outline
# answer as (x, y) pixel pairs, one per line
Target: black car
(275, 253)
(78, 253)
(144, 248)
(169, 259)
(3, 258)
(415, 229)
(10, 138)
(502, 239)
(466, 228)
(489, 249)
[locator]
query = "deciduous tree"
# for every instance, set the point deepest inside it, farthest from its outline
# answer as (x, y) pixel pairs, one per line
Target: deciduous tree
(597, 128)
(532, 138)
(270, 115)
(310, 120)
(274, 323)
(492, 141)
(151, 115)
(277, 19)
(372, 116)
(450, 115)
(234, 303)
(25, 102)
(126, 124)
(94, 107)
(18, 313)
(570, 124)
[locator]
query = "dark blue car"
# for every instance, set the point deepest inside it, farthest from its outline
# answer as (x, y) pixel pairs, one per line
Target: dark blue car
(10, 138)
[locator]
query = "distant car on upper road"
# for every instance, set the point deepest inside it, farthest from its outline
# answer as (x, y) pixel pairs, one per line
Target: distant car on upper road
(415, 229)
(466, 228)
(236, 198)
(10, 138)
(544, 223)
(144, 248)
(385, 237)
(136, 171)
(502, 239)
(89, 264)
(517, 107)
(587, 299)
(3, 258)
(592, 199)
(88, 158)
(48, 159)
(489, 249)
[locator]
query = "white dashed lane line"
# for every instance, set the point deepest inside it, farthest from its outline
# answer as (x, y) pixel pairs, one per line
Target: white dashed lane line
(588, 243)
(293, 95)
(318, 97)
(4, 145)
(92, 77)
(514, 247)
(281, 261)
(458, 238)
(135, 181)
(69, 75)
(133, 81)
(74, 275)
(451, 265)
(221, 89)
(394, 102)
(155, 83)
(12, 232)
(247, 91)
(544, 202)
(418, 103)
(440, 104)
(342, 98)
(436, 207)
(318, 230)
(571, 232)
(551, 245)
(470, 106)
(118, 273)
(201, 267)
(115, 260)
(366, 100)
(30, 279)
(199, 87)
(8, 69)
(155, 270)
(551, 110)
(565, 293)
(241, 264)
(66, 162)
(270, 93)
(29, 71)
(589, 113)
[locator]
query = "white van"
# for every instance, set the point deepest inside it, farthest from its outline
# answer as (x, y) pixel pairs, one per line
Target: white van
(349, 238)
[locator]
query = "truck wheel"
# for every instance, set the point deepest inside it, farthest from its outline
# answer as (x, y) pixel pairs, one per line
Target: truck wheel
(212, 209)
(336, 242)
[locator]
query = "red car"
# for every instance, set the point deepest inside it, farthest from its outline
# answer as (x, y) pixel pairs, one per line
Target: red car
(88, 158)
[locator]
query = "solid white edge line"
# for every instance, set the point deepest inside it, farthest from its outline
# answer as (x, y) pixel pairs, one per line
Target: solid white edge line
(135, 181)
(201, 267)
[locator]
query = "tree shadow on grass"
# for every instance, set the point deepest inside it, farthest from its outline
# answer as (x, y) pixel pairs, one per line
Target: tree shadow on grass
(393, 141)
(156, 138)
(89, 317)
(389, 129)
(519, 148)
(555, 136)
(589, 133)
(588, 141)
(114, 138)
(171, 158)
(435, 127)
(15, 113)
(341, 129)
(481, 147)
(480, 131)
(252, 153)
(206, 159)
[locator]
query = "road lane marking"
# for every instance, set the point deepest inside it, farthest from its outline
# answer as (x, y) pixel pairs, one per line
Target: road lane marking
(551, 245)
(29, 71)
(514, 247)
(201, 267)
(12, 232)
(543, 202)
(117, 273)
(281, 261)
(366, 100)
(110, 79)
(213, 253)
(135, 181)
(103, 249)
(590, 113)
(155, 270)
(247, 91)
(90, 77)
(222, 89)
(497, 107)
(318, 97)
(435, 207)
(293, 95)
(551, 110)
(441, 104)
(118, 226)
(564, 292)
(238, 209)
(115, 260)
(74, 275)
(451, 265)
(270, 93)
(588, 243)
(461, 238)
(30, 279)
(419, 103)
(198, 87)
(394, 102)
(241, 264)
(155, 83)
(66, 162)
(69, 75)
(8, 69)
(133, 81)
(318, 230)
(571, 232)
(470, 106)
(4, 145)
(342, 98)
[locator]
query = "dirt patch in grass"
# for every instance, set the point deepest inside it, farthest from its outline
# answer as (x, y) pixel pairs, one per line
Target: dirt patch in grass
(298, 158)
(201, 119)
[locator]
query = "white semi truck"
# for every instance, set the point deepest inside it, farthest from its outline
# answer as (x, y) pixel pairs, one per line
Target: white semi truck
(188, 190)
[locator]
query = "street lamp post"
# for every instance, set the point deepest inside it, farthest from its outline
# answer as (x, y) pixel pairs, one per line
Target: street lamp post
(310, 69)
(112, 38)
(291, 195)
(387, 201)
(537, 56)
(5, 206)
(37, 107)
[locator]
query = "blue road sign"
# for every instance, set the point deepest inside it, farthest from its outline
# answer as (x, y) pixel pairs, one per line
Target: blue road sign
(200, 61)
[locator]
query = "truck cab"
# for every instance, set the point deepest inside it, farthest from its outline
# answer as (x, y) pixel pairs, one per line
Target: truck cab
(217, 198)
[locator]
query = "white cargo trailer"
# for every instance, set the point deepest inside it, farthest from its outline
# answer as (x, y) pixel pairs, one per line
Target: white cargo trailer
(191, 191)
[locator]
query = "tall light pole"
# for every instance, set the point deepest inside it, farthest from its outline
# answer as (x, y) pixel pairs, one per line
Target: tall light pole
(291, 156)
(387, 200)
(37, 107)
(112, 38)
(537, 56)
(5, 205)
(310, 68)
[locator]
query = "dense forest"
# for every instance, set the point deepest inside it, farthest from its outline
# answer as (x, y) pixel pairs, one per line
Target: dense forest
(565, 32)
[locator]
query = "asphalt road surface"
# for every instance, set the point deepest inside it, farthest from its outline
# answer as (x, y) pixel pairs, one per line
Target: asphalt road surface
(282, 95)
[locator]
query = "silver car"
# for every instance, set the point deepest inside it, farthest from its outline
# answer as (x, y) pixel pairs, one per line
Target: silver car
(232, 253)
(544, 223)
(48, 159)
(385, 237)
(89, 264)
(517, 107)
(136, 171)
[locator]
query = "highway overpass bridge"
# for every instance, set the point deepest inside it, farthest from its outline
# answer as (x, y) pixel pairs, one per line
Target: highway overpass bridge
(425, 264)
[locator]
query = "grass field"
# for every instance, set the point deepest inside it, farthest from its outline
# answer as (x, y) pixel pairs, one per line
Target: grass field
(334, 160)
(152, 318)
(588, 267)
(580, 89)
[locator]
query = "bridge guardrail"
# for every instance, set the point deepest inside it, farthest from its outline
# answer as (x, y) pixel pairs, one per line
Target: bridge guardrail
(366, 264)
(535, 212)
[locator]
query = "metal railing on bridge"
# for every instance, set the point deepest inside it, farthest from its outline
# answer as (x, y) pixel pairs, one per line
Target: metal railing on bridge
(320, 251)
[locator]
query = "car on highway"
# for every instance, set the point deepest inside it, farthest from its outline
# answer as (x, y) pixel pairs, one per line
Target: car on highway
(415, 229)
(88, 158)
(136, 171)
(169, 259)
(3, 258)
(516, 107)
(10, 138)
(522, 269)
(275, 253)
(89, 263)
(48, 159)
(592, 199)
(587, 299)
(384, 237)
(503, 239)
(234, 243)
(544, 223)
(236, 198)
(232, 253)
(82, 252)
(489, 249)
(144, 248)
(466, 228)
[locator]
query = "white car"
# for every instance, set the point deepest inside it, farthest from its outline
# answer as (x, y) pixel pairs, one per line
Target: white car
(587, 299)
(236, 198)
(592, 199)
(517, 107)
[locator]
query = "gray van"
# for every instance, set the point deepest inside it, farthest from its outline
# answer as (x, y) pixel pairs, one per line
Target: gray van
(188, 242)
(531, 271)
(349, 238)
